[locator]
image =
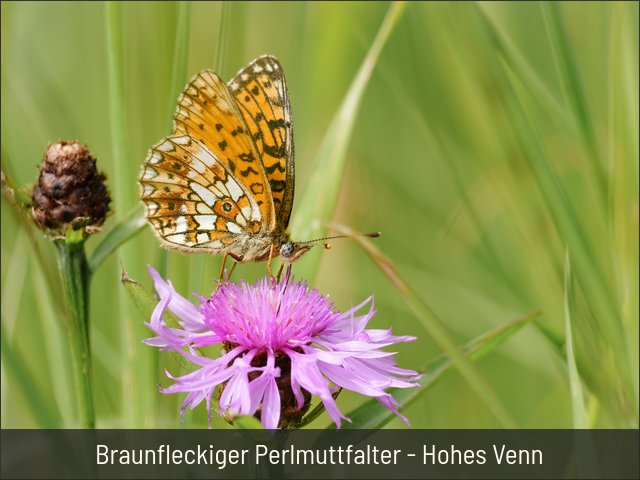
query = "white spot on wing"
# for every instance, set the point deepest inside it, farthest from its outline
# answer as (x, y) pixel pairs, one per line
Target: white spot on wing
(203, 208)
(255, 212)
(183, 208)
(197, 165)
(177, 238)
(165, 146)
(240, 220)
(155, 157)
(148, 189)
(233, 228)
(257, 68)
(234, 190)
(206, 195)
(221, 187)
(205, 157)
(183, 140)
(206, 222)
(149, 173)
(202, 238)
(181, 225)
(246, 211)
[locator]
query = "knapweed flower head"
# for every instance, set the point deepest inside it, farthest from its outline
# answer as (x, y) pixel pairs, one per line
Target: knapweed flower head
(69, 189)
(281, 344)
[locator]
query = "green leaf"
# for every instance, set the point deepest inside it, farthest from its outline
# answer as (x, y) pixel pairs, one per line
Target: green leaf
(145, 303)
(126, 229)
(577, 397)
(317, 410)
(319, 201)
(247, 422)
(373, 414)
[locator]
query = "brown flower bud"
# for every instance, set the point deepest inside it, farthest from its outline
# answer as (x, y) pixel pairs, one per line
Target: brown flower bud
(69, 188)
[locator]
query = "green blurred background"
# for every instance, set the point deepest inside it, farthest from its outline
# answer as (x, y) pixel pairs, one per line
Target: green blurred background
(495, 147)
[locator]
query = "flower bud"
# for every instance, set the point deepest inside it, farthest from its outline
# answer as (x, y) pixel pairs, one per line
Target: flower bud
(70, 190)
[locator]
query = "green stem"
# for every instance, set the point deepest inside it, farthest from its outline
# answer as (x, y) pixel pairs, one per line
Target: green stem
(76, 277)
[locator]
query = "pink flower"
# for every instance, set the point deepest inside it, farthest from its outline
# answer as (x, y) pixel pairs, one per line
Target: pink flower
(281, 344)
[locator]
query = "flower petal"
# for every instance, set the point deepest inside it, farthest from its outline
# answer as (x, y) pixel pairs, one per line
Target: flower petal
(188, 315)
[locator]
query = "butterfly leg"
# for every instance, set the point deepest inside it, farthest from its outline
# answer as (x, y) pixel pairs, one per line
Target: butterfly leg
(233, 267)
(280, 272)
(224, 261)
(236, 259)
(271, 251)
(287, 274)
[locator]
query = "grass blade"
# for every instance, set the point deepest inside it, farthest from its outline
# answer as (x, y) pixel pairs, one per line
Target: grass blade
(178, 74)
(223, 35)
(437, 329)
(130, 226)
(180, 51)
(577, 397)
(45, 413)
(623, 155)
(137, 400)
(574, 90)
(519, 65)
(592, 274)
(319, 201)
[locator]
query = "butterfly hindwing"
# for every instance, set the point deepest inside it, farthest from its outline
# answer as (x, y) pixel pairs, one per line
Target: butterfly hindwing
(193, 200)
(223, 182)
(260, 91)
(208, 112)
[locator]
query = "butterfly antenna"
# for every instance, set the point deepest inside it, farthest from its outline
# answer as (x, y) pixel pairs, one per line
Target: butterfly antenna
(328, 245)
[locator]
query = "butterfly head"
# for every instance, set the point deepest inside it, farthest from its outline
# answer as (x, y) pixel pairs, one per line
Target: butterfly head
(291, 251)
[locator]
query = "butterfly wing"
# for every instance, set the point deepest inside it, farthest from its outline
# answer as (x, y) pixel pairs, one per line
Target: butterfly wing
(261, 93)
(193, 200)
(208, 112)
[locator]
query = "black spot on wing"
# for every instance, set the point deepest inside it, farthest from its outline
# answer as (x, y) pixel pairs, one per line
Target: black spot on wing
(277, 185)
(257, 189)
(276, 151)
(246, 172)
(274, 167)
(246, 157)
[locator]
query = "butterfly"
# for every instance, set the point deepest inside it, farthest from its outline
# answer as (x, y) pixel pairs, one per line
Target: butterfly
(223, 182)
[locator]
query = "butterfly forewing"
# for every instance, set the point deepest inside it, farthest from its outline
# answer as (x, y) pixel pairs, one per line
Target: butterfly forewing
(193, 200)
(208, 112)
(261, 93)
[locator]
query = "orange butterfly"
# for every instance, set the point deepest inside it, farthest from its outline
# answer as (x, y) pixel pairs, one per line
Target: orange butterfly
(223, 182)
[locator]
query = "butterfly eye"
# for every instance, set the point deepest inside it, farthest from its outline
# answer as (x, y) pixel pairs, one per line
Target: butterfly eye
(286, 250)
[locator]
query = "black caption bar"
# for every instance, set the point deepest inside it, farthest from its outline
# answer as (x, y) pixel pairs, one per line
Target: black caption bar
(482, 454)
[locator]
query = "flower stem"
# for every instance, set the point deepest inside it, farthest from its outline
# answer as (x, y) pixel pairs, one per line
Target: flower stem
(76, 275)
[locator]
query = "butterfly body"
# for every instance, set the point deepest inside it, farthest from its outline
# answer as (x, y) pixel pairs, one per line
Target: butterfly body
(223, 182)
